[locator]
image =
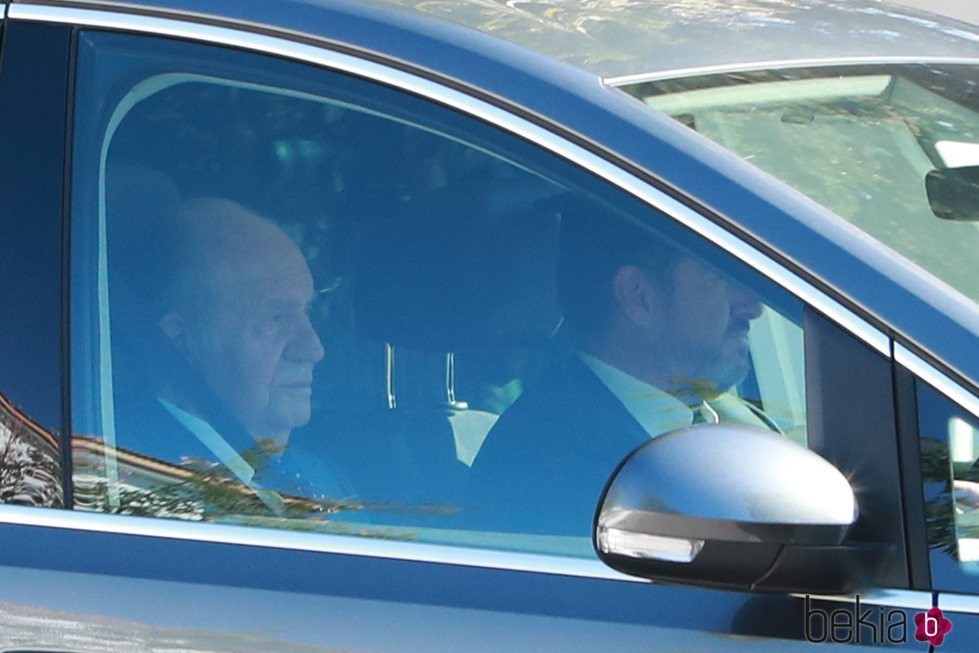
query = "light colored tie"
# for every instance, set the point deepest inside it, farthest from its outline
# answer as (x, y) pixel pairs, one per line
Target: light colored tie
(704, 414)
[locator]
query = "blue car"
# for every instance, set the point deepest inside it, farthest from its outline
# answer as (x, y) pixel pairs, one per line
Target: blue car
(488, 326)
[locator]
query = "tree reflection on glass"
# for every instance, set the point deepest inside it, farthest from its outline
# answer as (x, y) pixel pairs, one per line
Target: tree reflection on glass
(197, 489)
(30, 468)
(202, 490)
(939, 513)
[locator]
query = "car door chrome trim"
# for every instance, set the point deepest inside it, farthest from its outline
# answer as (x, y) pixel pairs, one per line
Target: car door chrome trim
(964, 603)
(889, 598)
(783, 64)
(321, 56)
(932, 376)
(305, 541)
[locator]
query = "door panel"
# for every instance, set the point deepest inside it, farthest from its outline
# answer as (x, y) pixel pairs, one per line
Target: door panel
(103, 589)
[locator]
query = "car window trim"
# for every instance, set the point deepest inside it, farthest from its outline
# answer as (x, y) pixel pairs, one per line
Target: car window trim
(961, 603)
(936, 379)
(215, 533)
(782, 64)
(893, 598)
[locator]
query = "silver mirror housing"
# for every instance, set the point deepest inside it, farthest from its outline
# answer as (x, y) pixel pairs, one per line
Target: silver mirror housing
(719, 504)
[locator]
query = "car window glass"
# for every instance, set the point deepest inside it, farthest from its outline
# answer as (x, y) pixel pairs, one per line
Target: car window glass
(871, 143)
(949, 459)
(304, 300)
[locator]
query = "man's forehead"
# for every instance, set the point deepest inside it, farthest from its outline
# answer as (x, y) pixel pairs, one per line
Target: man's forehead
(300, 300)
(260, 278)
(269, 282)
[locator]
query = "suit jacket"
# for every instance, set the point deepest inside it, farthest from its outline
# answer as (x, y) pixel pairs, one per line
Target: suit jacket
(545, 464)
(145, 427)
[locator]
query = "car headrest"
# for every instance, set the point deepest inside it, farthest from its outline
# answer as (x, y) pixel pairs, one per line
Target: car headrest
(461, 268)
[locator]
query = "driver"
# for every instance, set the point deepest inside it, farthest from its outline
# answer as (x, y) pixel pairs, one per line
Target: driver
(659, 337)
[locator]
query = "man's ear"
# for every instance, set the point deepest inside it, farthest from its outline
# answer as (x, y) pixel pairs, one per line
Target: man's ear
(636, 296)
(173, 326)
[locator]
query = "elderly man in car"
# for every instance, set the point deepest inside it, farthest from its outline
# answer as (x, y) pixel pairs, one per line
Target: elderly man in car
(230, 346)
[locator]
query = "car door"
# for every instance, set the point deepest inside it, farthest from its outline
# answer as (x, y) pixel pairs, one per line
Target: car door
(379, 176)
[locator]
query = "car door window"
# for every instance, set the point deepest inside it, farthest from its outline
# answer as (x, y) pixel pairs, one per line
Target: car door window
(305, 300)
(949, 457)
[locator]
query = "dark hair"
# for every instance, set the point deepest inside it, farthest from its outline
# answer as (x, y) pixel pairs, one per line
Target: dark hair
(596, 241)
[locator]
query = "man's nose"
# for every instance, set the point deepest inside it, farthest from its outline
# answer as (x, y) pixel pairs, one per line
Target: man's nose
(305, 345)
(744, 303)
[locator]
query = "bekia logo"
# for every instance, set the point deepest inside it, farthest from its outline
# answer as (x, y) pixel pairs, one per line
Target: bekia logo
(932, 627)
(856, 624)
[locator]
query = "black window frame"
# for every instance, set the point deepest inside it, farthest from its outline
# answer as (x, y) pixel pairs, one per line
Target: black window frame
(35, 82)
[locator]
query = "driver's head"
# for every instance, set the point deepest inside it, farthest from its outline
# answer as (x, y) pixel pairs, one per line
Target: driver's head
(236, 305)
(651, 309)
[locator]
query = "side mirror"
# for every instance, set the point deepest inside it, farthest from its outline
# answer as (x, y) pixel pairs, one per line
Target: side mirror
(953, 193)
(731, 505)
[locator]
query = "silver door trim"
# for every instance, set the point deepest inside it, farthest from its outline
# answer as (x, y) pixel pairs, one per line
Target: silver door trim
(929, 374)
(379, 73)
(962, 603)
(175, 529)
(889, 598)
(783, 64)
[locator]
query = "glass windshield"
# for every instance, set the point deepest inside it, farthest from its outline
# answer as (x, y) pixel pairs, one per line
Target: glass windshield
(862, 141)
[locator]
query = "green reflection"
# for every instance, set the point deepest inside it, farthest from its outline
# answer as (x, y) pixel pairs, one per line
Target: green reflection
(859, 141)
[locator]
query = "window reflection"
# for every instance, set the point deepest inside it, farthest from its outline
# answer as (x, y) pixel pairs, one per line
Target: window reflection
(859, 140)
(949, 456)
(30, 465)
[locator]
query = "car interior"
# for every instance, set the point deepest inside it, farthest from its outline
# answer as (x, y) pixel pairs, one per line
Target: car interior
(434, 259)
(436, 289)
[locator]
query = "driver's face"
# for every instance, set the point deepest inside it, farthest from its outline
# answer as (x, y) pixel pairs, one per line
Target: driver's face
(704, 328)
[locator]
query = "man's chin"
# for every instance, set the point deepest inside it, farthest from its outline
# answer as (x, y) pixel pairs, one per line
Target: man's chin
(290, 415)
(724, 375)
(732, 375)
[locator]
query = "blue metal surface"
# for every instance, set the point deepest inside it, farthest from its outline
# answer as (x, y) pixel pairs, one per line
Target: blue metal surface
(215, 597)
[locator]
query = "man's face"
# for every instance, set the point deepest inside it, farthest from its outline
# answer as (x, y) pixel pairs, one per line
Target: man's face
(253, 341)
(703, 334)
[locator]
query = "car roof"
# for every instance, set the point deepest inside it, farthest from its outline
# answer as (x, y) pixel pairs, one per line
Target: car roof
(619, 39)
(612, 38)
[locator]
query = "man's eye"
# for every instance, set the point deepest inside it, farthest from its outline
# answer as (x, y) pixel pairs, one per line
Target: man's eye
(271, 323)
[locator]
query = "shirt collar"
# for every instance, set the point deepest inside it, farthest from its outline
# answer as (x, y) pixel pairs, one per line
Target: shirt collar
(656, 411)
